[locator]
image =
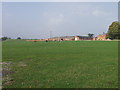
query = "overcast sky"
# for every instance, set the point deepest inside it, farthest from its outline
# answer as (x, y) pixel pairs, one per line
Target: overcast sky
(38, 19)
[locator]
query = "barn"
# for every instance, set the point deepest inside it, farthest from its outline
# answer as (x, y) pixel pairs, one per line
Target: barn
(102, 37)
(83, 38)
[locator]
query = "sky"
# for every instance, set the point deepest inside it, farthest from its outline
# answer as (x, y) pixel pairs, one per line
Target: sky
(38, 20)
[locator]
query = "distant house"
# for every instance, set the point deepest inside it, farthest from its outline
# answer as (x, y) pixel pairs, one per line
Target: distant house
(94, 38)
(64, 38)
(76, 38)
(102, 37)
(70, 38)
(83, 38)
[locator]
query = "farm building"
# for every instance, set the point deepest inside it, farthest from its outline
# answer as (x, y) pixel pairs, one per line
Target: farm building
(64, 38)
(102, 37)
(83, 38)
(94, 38)
(73, 38)
(70, 38)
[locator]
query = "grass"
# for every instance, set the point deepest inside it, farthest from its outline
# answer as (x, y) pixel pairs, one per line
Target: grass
(67, 64)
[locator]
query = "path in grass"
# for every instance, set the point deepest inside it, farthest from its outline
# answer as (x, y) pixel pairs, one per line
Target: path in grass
(67, 64)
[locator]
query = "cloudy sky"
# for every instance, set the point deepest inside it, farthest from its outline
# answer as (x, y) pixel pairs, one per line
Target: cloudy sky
(39, 19)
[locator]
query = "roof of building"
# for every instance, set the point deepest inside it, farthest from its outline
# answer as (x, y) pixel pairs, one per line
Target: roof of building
(84, 37)
(62, 37)
(69, 37)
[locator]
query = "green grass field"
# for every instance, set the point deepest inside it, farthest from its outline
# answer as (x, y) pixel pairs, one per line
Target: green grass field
(67, 64)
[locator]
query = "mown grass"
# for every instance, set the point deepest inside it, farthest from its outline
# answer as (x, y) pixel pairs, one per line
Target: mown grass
(67, 64)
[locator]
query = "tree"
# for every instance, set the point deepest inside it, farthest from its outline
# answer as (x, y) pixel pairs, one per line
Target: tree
(18, 37)
(114, 31)
(90, 35)
(4, 38)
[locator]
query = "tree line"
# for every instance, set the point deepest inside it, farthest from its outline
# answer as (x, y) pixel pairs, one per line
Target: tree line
(6, 38)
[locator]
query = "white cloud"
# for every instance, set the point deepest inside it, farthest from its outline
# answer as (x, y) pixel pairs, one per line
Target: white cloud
(53, 20)
(81, 10)
(88, 10)
(56, 20)
(99, 13)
